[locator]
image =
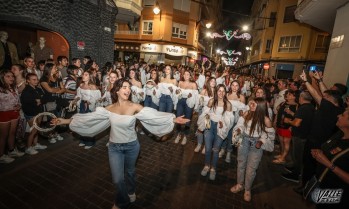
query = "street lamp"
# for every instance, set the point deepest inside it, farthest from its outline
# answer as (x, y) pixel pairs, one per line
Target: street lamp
(208, 34)
(157, 9)
(208, 25)
(245, 27)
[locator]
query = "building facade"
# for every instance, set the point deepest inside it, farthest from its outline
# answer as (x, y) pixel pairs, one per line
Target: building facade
(333, 19)
(282, 46)
(73, 28)
(171, 36)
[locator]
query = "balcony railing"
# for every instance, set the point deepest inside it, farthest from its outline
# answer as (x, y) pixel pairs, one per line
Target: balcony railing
(126, 32)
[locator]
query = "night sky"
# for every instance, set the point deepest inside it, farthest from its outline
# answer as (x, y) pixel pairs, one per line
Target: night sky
(234, 21)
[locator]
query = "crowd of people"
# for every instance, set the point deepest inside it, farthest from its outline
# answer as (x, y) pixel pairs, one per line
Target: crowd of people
(251, 113)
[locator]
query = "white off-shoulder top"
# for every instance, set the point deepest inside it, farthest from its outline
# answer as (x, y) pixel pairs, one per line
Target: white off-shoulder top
(122, 126)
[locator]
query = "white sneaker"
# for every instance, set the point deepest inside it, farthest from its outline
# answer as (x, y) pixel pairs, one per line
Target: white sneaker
(15, 153)
(87, 147)
(39, 146)
(132, 197)
(52, 140)
(177, 139)
(221, 153)
(205, 171)
(6, 159)
(212, 174)
(59, 137)
(237, 188)
(31, 151)
(228, 157)
(197, 148)
(203, 151)
(184, 140)
(81, 144)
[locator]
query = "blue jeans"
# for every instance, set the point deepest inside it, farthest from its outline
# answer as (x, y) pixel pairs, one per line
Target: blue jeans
(227, 142)
(212, 145)
(165, 103)
(122, 159)
(149, 103)
(248, 158)
(183, 109)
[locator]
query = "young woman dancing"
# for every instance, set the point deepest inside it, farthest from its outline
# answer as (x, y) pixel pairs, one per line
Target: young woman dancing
(123, 146)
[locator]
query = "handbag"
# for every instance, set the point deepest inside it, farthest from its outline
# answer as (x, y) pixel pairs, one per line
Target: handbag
(313, 184)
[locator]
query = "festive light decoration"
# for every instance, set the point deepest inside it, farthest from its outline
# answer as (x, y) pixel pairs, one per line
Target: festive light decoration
(229, 34)
(229, 52)
(230, 61)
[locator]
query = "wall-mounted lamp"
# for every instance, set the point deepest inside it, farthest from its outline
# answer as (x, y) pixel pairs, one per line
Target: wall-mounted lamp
(208, 25)
(157, 9)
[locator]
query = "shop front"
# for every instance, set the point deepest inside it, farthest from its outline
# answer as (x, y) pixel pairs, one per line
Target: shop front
(127, 52)
(168, 54)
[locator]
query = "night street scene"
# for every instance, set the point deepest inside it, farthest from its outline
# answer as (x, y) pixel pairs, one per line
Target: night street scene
(174, 104)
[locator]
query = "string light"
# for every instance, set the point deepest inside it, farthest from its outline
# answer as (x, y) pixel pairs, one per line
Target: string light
(229, 52)
(229, 34)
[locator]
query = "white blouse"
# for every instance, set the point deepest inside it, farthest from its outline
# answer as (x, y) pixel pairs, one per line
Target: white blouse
(193, 101)
(149, 92)
(9, 100)
(216, 116)
(122, 126)
(88, 95)
(267, 136)
(136, 94)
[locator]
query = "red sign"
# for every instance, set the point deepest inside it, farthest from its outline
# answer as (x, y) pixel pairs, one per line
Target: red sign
(266, 66)
(81, 45)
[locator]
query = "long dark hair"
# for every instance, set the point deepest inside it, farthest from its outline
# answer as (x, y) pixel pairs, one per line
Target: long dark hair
(164, 74)
(238, 93)
(157, 75)
(47, 72)
(257, 116)
(128, 72)
(215, 98)
(190, 78)
(116, 87)
(208, 87)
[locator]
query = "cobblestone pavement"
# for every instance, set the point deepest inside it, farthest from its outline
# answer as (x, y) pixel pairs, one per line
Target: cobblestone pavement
(66, 176)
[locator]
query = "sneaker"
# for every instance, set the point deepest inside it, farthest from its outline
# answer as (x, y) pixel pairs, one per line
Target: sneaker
(205, 171)
(39, 146)
(197, 148)
(59, 137)
(87, 147)
(247, 196)
(203, 151)
(81, 144)
(31, 151)
(221, 153)
(52, 140)
(6, 159)
(237, 188)
(228, 157)
(177, 139)
(212, 175)
(15, 153)
(184, 140)
(291, 177)
(132, 197)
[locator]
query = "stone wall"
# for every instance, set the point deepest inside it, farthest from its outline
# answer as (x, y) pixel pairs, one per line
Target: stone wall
(76, 20)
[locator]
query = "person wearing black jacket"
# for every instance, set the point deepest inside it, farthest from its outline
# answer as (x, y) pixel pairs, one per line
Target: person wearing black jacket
(32, 105)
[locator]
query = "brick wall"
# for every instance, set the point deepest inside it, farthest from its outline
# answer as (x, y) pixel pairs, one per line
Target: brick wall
(76, 20)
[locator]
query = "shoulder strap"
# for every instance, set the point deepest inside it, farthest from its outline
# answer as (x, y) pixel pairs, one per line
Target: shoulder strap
(332, 161)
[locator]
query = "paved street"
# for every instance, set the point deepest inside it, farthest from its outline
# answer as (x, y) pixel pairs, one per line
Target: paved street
(168, 176)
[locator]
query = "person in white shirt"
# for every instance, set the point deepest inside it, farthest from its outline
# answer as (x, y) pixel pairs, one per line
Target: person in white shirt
(123, 146)
(256, 132)
(280, 98)
(217, 119)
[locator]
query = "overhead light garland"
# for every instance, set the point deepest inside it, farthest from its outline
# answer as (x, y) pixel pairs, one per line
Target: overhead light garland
(229, 34)
(230, 61)
(229, 52)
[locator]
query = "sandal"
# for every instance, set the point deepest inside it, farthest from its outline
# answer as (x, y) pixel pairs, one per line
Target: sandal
(277, 156)
(279, 161)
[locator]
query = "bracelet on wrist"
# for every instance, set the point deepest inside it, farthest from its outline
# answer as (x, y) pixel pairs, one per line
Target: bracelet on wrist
(332, 167)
